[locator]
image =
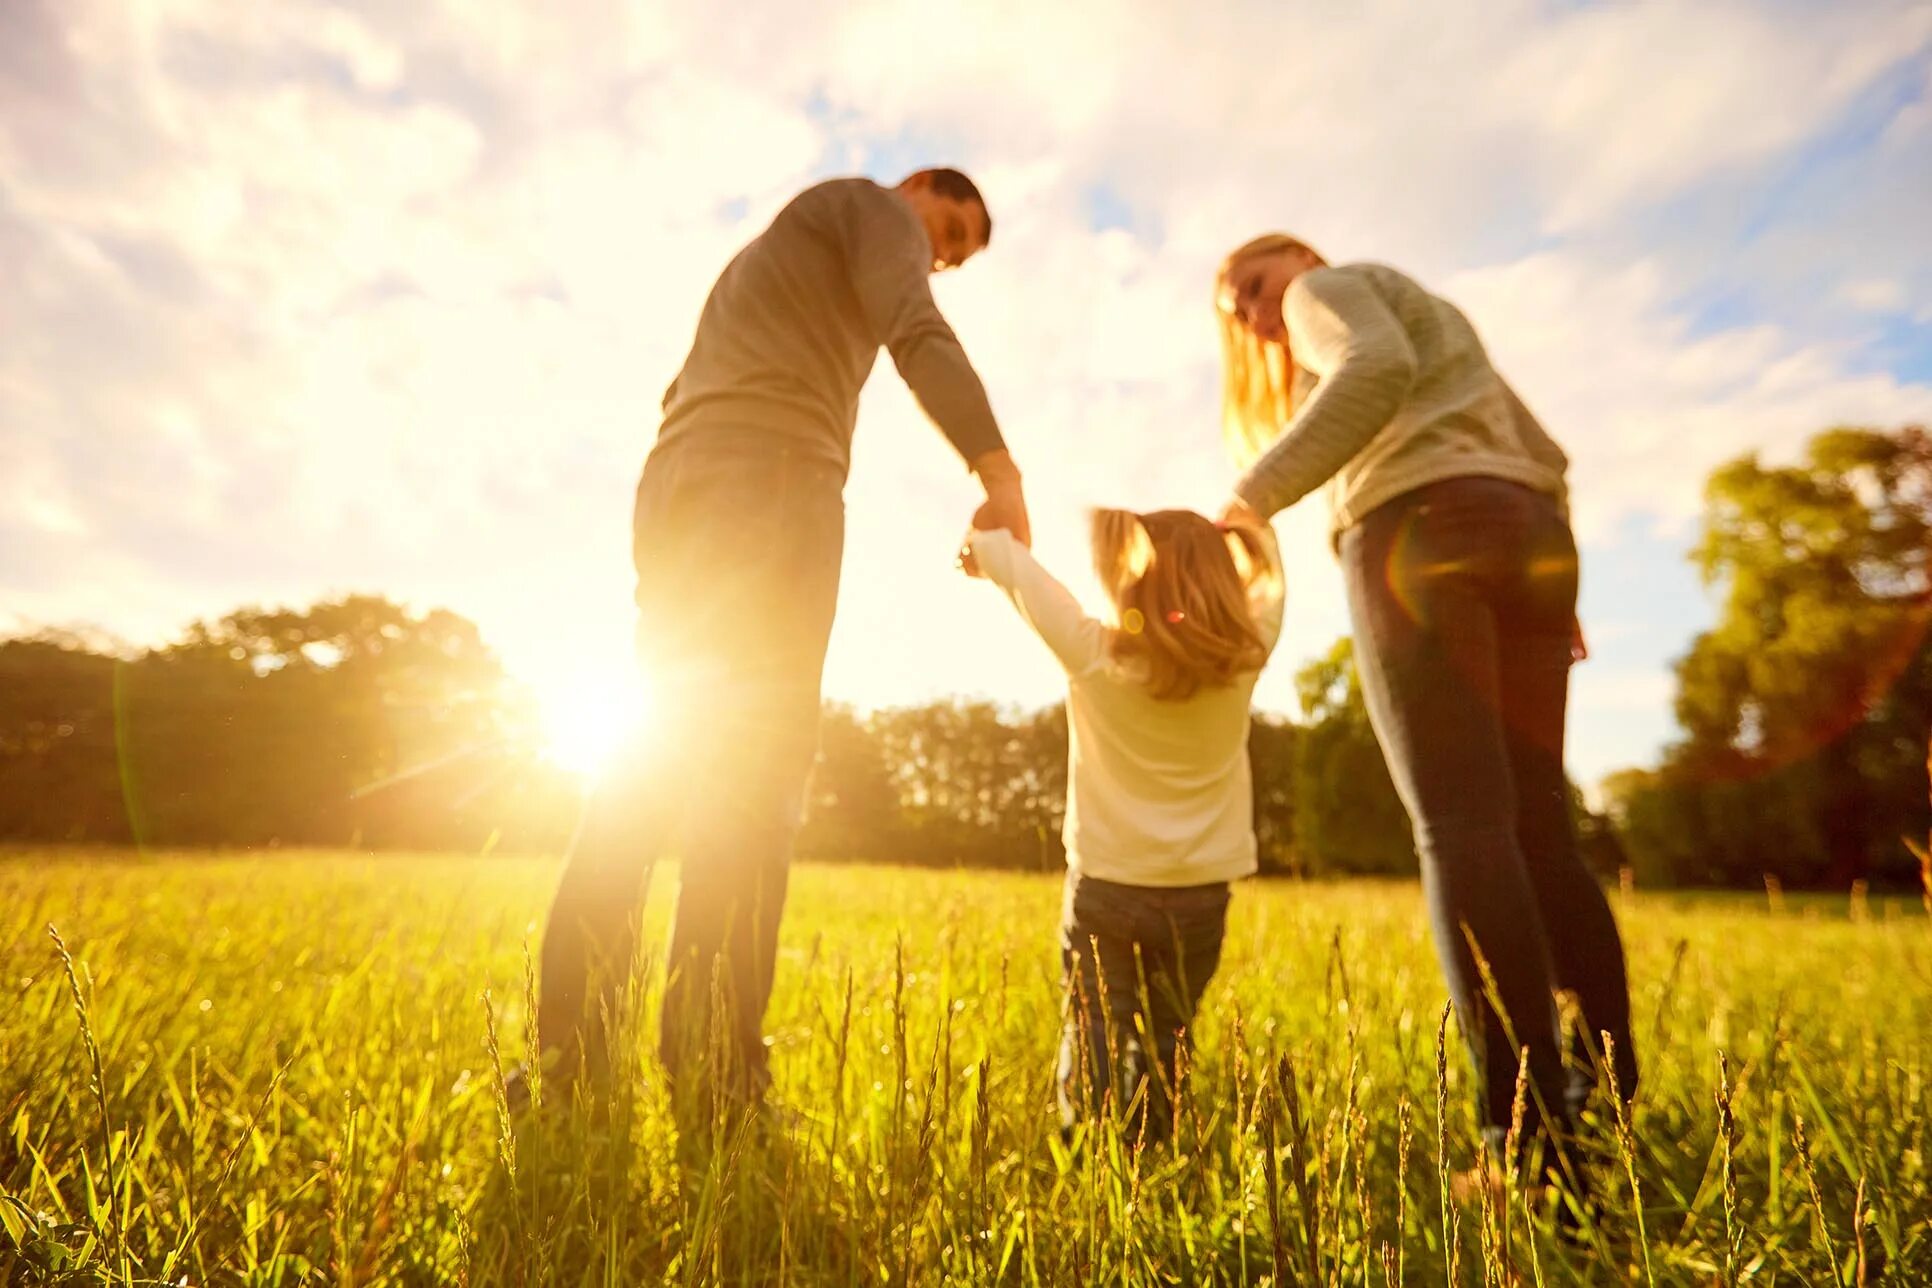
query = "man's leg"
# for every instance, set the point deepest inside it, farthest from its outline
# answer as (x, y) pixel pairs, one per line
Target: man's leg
(590, 941)
(774, 530)
(731, 897)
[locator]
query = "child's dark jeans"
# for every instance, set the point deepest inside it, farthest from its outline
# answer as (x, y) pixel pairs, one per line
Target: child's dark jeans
(1136, 960)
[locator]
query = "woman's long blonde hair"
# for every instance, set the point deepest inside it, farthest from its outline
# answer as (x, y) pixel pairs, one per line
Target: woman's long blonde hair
(1257, 376)
(1180, 584)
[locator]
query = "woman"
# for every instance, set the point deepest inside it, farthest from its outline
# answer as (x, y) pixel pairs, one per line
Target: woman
(1448, 511)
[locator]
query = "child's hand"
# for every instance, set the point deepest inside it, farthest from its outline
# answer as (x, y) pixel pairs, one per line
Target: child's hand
(965, 561)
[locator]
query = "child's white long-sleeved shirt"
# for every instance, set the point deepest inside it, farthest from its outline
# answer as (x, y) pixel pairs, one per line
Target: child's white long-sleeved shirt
(1159, 793)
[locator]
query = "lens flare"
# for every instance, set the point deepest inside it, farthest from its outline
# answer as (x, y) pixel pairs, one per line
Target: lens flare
(587, 718)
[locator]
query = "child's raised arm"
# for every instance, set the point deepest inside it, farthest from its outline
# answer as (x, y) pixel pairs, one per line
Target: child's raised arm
(1079, 641)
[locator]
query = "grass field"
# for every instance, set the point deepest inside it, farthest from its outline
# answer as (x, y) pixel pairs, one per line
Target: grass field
(297, 1085)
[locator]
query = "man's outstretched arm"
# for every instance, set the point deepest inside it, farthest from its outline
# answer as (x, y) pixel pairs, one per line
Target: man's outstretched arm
(890, 263)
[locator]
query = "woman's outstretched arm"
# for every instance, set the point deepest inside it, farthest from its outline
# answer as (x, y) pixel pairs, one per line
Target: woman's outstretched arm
(1364, 364)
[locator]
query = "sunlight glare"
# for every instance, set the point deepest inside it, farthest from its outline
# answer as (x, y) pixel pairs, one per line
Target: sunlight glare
(586, 718)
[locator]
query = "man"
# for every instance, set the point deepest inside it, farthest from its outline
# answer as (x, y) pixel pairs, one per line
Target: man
(739, 529)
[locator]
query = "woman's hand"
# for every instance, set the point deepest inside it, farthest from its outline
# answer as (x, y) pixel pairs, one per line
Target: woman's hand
(1239, 514)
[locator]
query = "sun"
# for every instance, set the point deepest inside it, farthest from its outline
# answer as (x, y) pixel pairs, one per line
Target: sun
(587, 717)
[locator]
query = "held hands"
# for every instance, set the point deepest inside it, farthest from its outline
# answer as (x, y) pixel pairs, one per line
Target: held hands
(1004, 507)
(985, 519)
(964, 560)
(1238, 513)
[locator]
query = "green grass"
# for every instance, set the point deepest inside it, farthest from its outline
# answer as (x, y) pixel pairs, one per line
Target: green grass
(296, 1086)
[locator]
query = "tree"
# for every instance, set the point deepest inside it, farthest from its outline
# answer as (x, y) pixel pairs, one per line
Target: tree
(853, 810)
(1347, 815)
(419, 687)
(351, 719)
(59, 777)
(977, 785)
(1806, 707)
(1274, 744)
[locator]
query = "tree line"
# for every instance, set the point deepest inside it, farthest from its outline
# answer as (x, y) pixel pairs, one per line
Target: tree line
(359, 722)
(353, 722)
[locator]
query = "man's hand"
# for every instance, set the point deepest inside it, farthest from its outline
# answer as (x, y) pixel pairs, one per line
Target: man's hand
(965, 561)
(1005, 505)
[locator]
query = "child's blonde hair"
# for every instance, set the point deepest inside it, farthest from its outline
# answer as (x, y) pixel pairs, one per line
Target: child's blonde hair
(1180, 584)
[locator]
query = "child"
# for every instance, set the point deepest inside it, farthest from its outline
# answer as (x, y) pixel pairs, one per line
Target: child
(1160, 815)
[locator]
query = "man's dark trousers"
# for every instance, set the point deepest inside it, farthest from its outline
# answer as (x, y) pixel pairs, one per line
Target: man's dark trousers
(738, 539)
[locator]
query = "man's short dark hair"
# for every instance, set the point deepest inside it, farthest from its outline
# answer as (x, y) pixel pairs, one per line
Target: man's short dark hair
(954, 185)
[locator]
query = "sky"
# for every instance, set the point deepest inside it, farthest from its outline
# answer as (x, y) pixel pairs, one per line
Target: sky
(299, 300)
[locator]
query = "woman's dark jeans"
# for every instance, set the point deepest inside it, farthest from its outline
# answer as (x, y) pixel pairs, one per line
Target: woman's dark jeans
(1463, 597)
(1136, 960)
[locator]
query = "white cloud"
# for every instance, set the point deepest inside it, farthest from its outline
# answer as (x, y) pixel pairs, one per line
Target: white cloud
(1633, 102)
(1874, 295)
(1646, 406)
